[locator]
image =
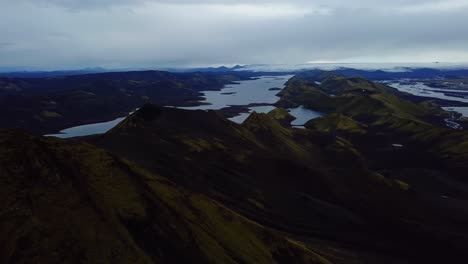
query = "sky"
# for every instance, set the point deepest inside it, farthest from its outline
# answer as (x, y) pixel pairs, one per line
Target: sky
(73, 34)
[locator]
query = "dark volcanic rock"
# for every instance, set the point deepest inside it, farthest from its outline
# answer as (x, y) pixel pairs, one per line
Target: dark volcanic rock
(149, 112)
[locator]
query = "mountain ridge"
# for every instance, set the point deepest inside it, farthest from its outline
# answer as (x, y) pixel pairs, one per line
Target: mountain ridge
(309, 167)
(135, 216)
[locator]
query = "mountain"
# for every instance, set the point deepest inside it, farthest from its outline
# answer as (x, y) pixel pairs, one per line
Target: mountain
(405, 73)
(378, 179)
(47, 105)
(207, 69)
(310, 184)
(401, 139)
(356, 97)
(49, 74)
(372, 71)
(67, 201)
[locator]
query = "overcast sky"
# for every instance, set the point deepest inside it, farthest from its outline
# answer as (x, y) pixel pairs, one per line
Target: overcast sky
(66, 34)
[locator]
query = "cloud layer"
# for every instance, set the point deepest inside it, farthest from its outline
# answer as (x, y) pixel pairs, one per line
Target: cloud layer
(53, 34)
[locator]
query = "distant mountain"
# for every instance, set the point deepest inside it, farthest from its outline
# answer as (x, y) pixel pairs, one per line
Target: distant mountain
(48, 74)
(11, 73)
(206, 69)
(410, 73)
(369, 71)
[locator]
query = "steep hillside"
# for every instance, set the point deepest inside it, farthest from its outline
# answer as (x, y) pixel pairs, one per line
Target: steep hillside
(374, 117)
(311, 184)
(69, 202)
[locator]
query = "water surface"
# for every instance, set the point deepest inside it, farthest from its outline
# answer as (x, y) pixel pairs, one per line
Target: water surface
(89, 129)
(420, 89)
(251, 92)
(86, 130)
(303, 115)
(244, 93)
(461, 110)
(256, 91)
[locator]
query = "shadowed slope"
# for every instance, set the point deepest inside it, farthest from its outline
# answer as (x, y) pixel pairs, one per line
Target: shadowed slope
(308, 183)
(66, 201)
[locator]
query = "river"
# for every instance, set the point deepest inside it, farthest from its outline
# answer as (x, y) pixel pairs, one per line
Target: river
(420, 89)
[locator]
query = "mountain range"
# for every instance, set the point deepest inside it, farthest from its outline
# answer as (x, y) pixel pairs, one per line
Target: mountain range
(379, 178)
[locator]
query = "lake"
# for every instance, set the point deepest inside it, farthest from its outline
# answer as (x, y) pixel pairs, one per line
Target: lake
(86, 130)
(261, 90)
(254, 91)
(89, 129)
(303, 115)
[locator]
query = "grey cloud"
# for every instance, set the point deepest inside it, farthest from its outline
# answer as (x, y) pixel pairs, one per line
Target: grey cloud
(189, 33)
(374, 4)
(6, 44)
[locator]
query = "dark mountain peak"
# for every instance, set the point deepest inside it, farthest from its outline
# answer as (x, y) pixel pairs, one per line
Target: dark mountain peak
(341, 84)
(316, 75)
(237, 67)
(151, 119)
(149, 112)
(337, 124)
(261, 121)
(282, 116)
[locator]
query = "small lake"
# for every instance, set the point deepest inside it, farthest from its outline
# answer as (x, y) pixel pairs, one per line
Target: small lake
(86, 130)
(90, 129)
(303, 115)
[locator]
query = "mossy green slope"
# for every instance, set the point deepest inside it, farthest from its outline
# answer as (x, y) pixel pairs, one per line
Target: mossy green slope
(400, 139)
(70, 202)
(305, 182)
(334, 123)
(379, 113)
(355, 97)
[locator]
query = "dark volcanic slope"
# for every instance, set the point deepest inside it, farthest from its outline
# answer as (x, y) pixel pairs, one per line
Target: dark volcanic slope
(313, 185)
(69, 202)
